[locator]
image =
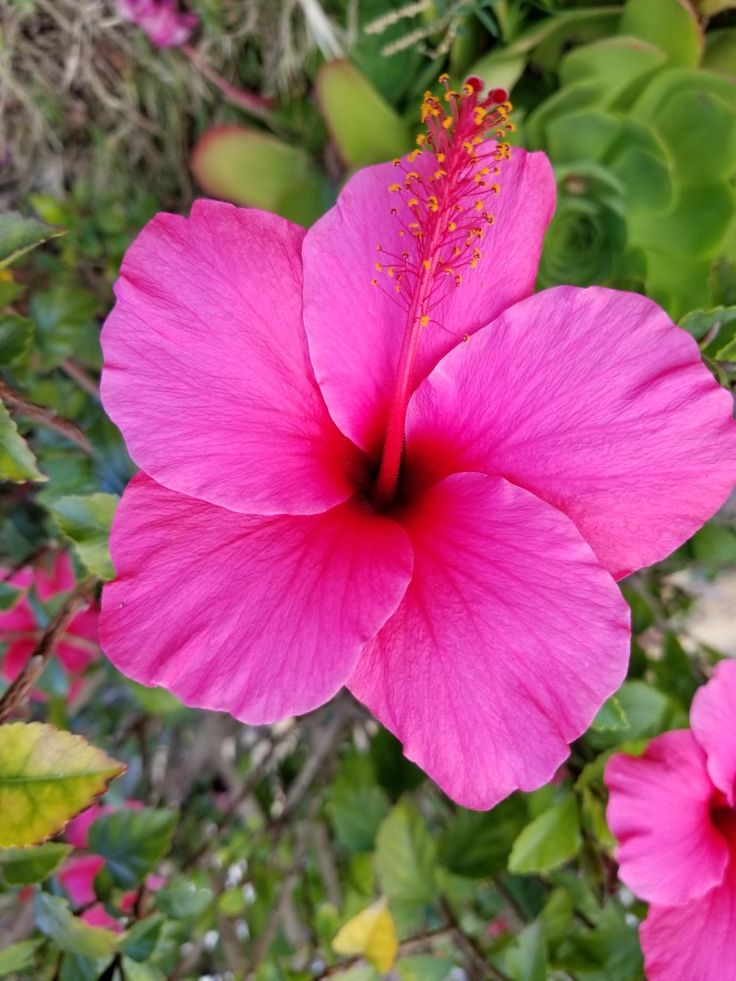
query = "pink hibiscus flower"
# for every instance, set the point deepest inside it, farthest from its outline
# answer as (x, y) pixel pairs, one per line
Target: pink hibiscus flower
(20, 631)
(673, 811)
(161, 20)
(77, 876)
(336, 489)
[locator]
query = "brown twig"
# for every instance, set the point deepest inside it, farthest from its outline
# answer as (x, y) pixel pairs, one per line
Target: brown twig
(477, 965)
(85, 381)
(18, 690)
(45, 417)
(418, 942)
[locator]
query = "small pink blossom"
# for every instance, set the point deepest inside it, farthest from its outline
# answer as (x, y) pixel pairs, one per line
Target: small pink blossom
(20, 630)
(163, 22)
(370, 457)
(673, 811)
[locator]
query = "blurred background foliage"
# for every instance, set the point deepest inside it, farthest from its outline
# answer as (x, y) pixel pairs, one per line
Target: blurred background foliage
(313, 849)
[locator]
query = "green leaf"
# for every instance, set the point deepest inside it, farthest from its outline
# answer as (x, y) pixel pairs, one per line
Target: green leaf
(253, 168)
(46, 777)
(132, 842)
(68, 932)
(183, 898)
(23, 866)
(19, 235)
(85, 521)
(477, 844)
(714, 545)
(646, 709)
(15, 337)
(405, 860)
(429, 967)
(17, 462)
(526, 959)
(64, 319)
(611, 716)
(140, 941)
(668, 24)
(548, 841)
(18, 957)
(357, 804)
(9, 595)
(363, 126)
(718, 326)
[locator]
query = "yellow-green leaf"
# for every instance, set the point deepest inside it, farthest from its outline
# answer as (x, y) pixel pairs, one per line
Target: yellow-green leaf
(370, 934)
(19, 235)
(46, 777)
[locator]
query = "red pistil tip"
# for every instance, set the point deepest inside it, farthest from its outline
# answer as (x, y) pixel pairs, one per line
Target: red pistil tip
(442, 204)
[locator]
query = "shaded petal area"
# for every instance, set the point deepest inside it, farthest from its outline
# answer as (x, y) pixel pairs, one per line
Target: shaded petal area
(510, 637)
(694, 942)
(355, 330)
(206, 368)
(713, 721)
(259, 617)
(659, 810)
(596, 403)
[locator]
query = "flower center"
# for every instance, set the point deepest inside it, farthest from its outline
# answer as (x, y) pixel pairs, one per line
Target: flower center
(724, 819)
(441, 217)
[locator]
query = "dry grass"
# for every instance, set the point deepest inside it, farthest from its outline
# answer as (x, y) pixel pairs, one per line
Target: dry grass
(84, 95)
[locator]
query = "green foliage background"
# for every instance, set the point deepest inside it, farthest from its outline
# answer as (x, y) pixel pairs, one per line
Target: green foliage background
(269, 839)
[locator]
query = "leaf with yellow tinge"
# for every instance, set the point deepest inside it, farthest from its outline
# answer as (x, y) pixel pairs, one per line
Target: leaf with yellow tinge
(370, 934)
(46, 777)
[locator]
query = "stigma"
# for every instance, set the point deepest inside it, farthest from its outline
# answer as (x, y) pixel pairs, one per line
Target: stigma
(444, 191)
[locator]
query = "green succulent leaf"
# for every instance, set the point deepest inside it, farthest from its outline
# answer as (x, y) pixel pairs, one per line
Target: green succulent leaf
(363, 126)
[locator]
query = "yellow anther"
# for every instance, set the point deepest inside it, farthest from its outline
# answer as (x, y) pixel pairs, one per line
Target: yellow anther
(390, 271)
(426, 264)
(394, 187)
(466, 337)
(479, 114)
(489, 218)
(424, 320)
(396, 161)
(433, 203)
(479, 205)
(468, 89)
(458, 279)
(444, 77)
(441, 158)
(411, 157)
(468, 146)
(413, 202)
(378, 267)
(421, 139)
(456, 251)
(439, 174)
(411, 176)
(494, 189)
(452, 226)
(447, 122)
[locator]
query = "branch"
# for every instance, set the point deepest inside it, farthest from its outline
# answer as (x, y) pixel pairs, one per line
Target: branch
(18, 690)
(45, 417)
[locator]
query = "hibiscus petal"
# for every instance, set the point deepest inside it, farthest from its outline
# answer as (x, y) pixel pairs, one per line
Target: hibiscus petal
(355, 330)
(206, 366)
(596, 403)
(509, 639)
(695, 942)
(262, 617)
(713, 721)
(659, 810)
(78, 878)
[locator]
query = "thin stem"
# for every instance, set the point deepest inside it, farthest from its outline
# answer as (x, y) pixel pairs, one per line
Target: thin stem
(45, 417)
(256, 105)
